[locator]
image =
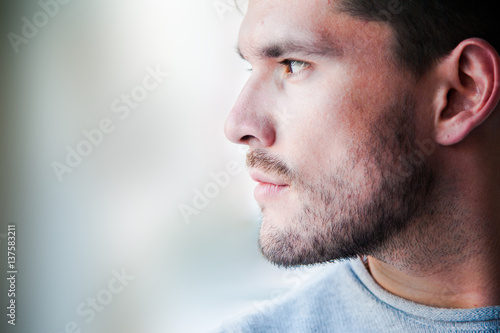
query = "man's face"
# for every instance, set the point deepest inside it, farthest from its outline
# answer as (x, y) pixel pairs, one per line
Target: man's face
(330, 119)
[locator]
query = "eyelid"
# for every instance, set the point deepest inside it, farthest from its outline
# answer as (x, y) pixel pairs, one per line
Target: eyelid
(287, 63)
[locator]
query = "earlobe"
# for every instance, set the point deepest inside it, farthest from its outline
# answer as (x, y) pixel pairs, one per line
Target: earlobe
(471, 76)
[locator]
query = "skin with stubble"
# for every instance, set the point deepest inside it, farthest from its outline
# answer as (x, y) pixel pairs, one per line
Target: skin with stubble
(334, 123)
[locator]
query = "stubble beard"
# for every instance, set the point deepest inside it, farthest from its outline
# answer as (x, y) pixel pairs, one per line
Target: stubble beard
(337, 219)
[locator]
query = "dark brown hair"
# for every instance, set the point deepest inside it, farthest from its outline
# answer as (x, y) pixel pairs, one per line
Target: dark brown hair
(427, 30)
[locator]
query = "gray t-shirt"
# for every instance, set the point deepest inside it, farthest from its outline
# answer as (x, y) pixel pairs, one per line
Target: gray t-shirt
(345, 298)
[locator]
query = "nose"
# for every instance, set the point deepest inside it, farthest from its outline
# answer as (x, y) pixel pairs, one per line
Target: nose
(250, 121)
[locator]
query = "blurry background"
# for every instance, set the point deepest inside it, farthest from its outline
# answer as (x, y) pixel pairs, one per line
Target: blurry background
(103, 177)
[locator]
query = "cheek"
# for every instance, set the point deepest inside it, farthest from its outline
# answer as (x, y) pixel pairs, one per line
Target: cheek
(324, 131)
(332, 120)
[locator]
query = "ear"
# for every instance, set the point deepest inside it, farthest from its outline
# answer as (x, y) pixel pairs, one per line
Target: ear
(470, 90)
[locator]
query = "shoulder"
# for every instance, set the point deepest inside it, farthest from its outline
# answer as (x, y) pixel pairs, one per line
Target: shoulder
(317, 303)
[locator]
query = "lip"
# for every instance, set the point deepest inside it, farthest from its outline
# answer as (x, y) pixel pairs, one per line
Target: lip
(260, 177)
(268, 187)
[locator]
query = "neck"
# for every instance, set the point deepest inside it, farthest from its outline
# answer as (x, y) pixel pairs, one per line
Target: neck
(467, 286)
(451, 258)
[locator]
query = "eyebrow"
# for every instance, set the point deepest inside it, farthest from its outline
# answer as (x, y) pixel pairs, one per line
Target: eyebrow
(286, 47)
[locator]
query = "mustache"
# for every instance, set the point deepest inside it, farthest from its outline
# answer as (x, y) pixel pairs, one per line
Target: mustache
(260, 159)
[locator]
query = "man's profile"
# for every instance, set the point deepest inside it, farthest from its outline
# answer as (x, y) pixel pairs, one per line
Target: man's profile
(374, 135)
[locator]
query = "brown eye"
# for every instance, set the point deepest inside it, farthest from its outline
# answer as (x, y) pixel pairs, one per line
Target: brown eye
(295, 66)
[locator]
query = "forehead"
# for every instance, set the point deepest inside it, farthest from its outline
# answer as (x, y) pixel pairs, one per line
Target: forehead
(316, 23)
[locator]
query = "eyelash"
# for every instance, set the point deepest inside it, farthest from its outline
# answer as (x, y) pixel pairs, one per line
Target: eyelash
(287, 63)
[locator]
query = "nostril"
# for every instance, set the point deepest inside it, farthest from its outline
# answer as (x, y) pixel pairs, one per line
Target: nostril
(246, 138)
